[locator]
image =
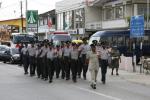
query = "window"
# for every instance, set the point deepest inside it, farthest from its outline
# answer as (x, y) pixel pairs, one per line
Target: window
(119, 12)
(79, 18)
(142, 9)
(109, 13)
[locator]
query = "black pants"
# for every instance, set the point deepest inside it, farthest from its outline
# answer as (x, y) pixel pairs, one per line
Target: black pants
(25, 63)
(74, 68)
(32, 65)
(51, 68)
(62, 65)
(44, 68)
(57, 66)
(104, 64)
(79, 70)
(84, 65)
(67, 67)
(38, 65)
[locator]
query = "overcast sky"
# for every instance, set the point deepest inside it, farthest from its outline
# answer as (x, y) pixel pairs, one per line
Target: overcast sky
(11, 8)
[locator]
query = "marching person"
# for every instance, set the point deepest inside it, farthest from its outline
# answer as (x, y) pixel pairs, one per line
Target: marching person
(74, 62)
(25, 58)
(66, 54)
(104, 54)
(115, 57)
(38, 60)
(50, 63)
(93, 59)
(61, 57)
(44, 67)
(83, 49)
(31, 51)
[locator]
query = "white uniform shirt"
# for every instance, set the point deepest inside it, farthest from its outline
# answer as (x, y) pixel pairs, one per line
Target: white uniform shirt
(50, 54)
(104, 54)
(67, 52)
(84, 48)
(24, 50)
(31, 51)
(37, 52)
(44, 52)
(74, 54)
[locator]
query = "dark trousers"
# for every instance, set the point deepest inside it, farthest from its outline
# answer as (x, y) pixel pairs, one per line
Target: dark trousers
(44, 68)
(79, 70)
(25, 63)
(84, 65)
(104, 64)
(51, 68)
(67, 67)
(32, 65)
(62, 65)
(38, 65)
(57, 66)
(74, 68)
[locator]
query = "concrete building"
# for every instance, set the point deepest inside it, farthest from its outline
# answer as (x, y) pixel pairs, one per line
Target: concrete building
(85, 17)
(47, 23)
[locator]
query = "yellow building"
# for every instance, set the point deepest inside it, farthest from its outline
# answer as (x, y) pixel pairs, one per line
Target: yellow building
(10, 26)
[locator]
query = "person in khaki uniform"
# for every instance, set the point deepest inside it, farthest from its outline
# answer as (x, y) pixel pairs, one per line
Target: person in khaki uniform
(93, 59)
(115, 57)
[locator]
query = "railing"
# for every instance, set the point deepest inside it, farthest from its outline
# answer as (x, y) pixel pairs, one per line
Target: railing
(94, 25)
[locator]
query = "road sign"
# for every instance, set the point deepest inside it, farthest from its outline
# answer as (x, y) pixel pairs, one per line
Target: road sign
(32, 20)
(137, 26)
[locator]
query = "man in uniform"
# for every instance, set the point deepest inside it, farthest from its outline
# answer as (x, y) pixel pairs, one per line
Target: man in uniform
(44, 68)
(66, 54)
(74, 62)
(50, 64)
(25, 58)
(31, 51)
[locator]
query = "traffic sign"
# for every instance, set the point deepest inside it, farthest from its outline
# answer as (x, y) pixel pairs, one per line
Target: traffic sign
(137, 26)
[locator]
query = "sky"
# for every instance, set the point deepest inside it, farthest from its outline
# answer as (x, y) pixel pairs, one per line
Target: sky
(10, 9)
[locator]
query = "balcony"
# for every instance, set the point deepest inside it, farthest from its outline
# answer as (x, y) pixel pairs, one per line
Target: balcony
(94, 25)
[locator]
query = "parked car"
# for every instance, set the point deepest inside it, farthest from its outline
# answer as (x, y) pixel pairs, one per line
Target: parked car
(3, 48)
(11, 55)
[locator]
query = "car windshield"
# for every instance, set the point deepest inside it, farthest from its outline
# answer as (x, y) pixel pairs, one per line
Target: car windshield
(23, 38)
(15, 51)
(61, 38)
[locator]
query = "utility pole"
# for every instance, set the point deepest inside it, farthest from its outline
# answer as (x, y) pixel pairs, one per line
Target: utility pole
(26, 15)
(21, 17)
(148, 14)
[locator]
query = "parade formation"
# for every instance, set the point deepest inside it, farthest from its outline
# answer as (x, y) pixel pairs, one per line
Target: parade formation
(69, 60)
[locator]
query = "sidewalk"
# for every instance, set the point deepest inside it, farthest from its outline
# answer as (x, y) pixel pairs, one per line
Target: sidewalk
(139, 78)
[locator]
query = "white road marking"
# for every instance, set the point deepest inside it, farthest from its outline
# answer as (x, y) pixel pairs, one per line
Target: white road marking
(97, 93)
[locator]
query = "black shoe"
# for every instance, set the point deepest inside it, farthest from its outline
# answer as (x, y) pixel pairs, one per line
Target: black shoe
(74, 80)
(62, 77)
(42, 78)
(38, 76)
(67, 79)
(117, 74)
(26, 73)
(79, 76)
(94, 86)
(57, 76)
(50, 81)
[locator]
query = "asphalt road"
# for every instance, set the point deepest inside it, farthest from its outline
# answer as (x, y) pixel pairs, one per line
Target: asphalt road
(14, 85)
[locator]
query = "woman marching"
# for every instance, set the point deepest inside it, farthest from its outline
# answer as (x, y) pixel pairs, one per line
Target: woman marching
(93, 60)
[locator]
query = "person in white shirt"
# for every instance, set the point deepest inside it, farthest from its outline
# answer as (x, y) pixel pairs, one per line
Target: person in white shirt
(31, 52)
(93, 60)
(25, 58)
(66, 55)
(104, 55)
(50, 63)
(74, 62)
(83, 49)
(44, 68)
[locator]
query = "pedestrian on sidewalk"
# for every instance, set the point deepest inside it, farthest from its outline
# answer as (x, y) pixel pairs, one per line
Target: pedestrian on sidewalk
(115, 57)
(93, 59)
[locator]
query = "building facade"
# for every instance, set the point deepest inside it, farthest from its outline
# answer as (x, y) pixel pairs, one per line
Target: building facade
(47, 24)
(84, 17)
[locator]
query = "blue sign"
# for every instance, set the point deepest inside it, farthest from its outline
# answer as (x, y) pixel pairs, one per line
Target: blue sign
(137, 26)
